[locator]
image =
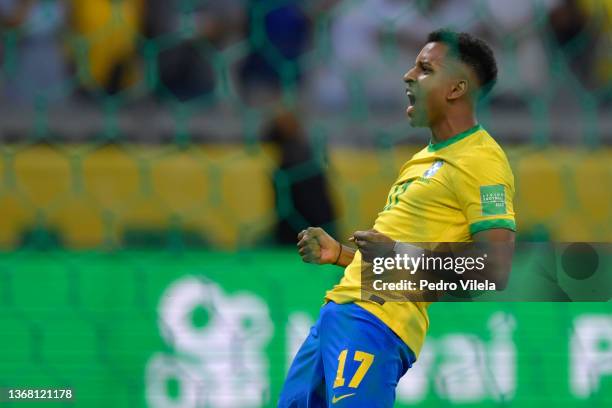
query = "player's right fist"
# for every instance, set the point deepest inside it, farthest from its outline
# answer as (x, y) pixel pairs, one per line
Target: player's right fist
(317, 246)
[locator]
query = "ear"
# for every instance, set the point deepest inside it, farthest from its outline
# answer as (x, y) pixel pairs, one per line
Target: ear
(458, 89)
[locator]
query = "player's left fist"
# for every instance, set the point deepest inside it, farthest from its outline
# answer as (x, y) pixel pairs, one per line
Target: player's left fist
(373, 244)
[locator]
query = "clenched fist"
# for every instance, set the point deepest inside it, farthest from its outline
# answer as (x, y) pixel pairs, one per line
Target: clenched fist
(373, 244)
(317, 246)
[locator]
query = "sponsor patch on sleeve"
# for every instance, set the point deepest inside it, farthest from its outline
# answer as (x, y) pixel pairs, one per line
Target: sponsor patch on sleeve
(493, 200)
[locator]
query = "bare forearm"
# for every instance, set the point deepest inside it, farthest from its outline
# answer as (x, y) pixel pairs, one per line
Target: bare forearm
(482, 261)
(346, 256)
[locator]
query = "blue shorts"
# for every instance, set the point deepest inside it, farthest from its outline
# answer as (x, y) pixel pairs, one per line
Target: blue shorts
(349, 359)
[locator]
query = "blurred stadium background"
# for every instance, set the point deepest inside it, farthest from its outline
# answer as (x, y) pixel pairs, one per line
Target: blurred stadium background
(158, 157)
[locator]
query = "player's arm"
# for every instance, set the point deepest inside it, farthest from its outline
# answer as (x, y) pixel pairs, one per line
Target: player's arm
(317, 246)
(499, 244)
(485, 194)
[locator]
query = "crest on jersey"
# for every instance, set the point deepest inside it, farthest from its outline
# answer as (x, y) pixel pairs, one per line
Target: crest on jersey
(430, 172)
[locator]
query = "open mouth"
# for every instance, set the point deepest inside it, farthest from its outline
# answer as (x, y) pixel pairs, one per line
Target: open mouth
(412, 101)
(411, 97)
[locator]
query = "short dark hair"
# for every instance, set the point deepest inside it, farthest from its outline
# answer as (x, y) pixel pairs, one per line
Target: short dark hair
(473, 52)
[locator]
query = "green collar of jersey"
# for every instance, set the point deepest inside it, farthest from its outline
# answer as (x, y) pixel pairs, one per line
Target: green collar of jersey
(437, 146)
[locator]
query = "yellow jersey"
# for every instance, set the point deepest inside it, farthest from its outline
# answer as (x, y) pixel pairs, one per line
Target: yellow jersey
(445, 193)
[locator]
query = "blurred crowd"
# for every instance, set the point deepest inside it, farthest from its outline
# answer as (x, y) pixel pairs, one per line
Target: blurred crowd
(338, 56)
(331, 52)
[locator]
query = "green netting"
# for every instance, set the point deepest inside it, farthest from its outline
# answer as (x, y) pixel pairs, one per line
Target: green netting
(120, 74)
(177, 126)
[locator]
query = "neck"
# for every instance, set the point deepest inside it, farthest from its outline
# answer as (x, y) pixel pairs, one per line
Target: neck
(449, 127)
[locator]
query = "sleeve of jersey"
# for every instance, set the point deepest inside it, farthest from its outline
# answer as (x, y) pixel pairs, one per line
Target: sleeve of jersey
(485, 191)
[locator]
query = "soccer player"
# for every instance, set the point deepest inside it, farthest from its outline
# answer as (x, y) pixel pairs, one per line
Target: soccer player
(459, 188)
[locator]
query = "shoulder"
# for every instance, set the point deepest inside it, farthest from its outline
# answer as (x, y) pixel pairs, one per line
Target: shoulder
(483, 151)
(421, 154)
(483, 162)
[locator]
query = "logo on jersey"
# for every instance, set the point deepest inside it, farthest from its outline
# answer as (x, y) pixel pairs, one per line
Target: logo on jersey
(493, 199)
(336, 399)
(430, 172)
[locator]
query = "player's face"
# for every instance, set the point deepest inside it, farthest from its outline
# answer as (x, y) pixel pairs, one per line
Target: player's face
(427, 84)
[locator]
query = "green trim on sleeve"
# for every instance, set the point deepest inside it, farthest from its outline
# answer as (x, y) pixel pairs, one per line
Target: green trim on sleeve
(491, 224)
